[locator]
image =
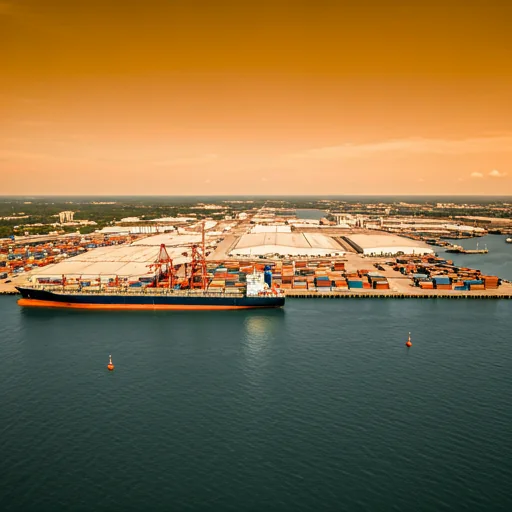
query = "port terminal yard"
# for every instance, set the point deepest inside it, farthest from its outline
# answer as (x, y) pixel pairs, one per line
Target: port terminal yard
(333, 264)
(399, 277)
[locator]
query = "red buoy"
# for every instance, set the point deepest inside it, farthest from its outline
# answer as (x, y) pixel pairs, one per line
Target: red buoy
(110, 366)
(408, 342)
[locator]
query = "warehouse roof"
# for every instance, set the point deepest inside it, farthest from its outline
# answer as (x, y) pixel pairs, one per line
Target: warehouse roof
(122, 260)
(372, 241)
(169, 239)
(258, 228)
(287, 243)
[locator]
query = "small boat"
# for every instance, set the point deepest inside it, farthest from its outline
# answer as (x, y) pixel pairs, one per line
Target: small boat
(509, 240)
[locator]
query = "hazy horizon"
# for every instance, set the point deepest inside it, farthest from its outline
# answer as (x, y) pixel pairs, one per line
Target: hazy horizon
(198, 198)
(262, 98)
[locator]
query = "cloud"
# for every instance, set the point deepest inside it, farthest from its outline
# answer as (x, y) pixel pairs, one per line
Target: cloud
(497, 174)
(419, 145)
(476, 175)
(193, 160)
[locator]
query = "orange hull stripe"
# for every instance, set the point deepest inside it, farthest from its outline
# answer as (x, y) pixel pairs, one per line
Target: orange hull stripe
(51, 304)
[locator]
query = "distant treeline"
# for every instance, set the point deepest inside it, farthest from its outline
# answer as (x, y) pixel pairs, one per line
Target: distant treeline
(105, 211)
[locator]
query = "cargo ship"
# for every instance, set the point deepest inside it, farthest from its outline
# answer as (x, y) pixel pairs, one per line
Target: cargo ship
(162, 291)
(255, 296)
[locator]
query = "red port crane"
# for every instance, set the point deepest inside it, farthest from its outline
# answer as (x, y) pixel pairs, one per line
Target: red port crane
(197, 275)
(164, 259)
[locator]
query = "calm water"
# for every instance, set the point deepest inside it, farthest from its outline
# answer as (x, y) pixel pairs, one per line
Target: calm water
(498, 261)
(315, 407)
(311, 214)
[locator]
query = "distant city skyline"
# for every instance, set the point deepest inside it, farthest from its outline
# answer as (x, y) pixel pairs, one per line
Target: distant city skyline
(253, 98)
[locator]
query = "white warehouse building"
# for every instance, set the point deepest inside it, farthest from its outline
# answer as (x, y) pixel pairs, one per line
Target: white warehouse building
(286, 244)
(380, 245)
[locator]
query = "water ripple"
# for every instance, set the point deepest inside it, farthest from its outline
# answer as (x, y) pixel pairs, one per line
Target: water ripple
(317, 407)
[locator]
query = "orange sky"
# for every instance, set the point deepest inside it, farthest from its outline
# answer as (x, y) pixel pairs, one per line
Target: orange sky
(255, 97)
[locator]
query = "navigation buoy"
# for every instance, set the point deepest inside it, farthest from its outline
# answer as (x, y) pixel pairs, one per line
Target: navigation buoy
(110, 366)
(408, 342)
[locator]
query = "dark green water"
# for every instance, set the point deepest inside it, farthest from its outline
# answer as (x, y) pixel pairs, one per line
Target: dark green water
(316, 407)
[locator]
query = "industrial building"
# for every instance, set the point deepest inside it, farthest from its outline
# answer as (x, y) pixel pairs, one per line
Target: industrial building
(259, 228)
(123, 261)
(380, 245)
(286, 244)
(66, 217)
(169, 239)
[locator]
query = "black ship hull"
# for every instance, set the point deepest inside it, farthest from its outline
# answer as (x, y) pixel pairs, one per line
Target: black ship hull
(32, 297)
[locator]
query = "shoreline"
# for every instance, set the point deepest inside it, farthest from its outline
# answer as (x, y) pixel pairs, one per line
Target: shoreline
(378, 294)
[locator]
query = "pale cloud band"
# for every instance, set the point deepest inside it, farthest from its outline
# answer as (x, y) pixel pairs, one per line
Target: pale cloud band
(186, 161)
(498, 144)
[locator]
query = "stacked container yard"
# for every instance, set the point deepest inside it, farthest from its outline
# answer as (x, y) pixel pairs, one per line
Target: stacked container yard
(288, 272)
(444, 274)
(354, 281)
(475, 284)
(300, 283)
(442, 282)
(340, 283)
(339, 266)
(322, 283)
(277, 276)
(491, 282)
(377, 281)
(37, 254)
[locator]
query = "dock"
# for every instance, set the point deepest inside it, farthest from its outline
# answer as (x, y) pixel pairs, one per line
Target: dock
(379, 294)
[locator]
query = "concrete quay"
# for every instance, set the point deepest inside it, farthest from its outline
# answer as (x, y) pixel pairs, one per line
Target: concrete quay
(384, 294)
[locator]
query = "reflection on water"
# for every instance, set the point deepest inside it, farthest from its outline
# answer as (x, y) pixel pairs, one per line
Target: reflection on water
(260, 335)
(318, 406)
